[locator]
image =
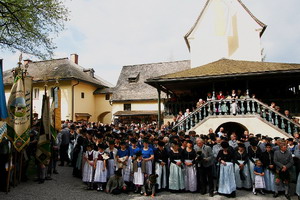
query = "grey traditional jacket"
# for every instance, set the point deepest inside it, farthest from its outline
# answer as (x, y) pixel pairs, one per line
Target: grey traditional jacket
(115, 182)
(208, 157)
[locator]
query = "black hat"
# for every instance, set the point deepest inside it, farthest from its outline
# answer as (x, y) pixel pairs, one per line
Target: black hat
(101, 146)
(139, 153)
(133, 140)
(224, 145)
(276, 138)
(290, 139)
(152, 178)
(253, 142)
(175, 143)
(90, 144)
(161, 143)
(122, 143)
(146, 141)
(241, 145)
(190, 141)
(111, 142)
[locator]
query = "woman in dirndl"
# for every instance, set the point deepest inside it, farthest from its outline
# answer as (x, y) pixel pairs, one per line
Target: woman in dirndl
(88, 168)
(226, 182)
(176, 178)
(122, 159)
(267, 159)
(161, 161)
(148, 156)
(241, 168)
(254, 153)
(111, 162)
(100, 168)
(189, 156)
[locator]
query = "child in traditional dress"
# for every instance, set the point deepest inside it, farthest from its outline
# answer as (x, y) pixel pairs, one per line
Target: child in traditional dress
(100, 168)
(259, 182)
(139, 170)
(88, 168)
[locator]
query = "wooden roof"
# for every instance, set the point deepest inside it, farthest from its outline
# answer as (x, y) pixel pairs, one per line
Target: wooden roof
(136, 113)
(63, 69)
(227, 68)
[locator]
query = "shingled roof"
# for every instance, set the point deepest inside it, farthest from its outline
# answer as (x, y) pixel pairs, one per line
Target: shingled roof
(264, 26)
(126, 90)
(63, 69)
(227, 68)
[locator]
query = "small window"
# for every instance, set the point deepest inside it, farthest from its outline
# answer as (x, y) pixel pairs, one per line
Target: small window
(36, 93)
(107, 96)
(82, 95)
(133, 78)
(127, 107)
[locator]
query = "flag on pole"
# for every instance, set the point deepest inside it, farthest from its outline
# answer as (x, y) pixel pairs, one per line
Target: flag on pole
(3, 109)
(19, 111)
(43, 152)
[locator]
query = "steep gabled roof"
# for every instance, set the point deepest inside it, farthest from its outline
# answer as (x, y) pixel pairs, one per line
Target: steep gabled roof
(63, 69)
(264, 26)
(128, 91)
(229, 68)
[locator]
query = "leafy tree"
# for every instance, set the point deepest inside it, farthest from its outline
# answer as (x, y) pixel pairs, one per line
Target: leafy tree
(30, 25)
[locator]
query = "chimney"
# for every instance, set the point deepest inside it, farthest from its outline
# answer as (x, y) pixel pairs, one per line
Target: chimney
(74, 58)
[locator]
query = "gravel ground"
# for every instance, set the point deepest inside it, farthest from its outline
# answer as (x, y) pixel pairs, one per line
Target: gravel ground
(64, 186)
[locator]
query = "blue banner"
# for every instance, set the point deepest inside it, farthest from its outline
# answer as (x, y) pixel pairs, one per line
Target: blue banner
(3, 108)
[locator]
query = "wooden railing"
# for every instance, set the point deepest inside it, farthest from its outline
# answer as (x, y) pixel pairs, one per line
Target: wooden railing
(237, 107)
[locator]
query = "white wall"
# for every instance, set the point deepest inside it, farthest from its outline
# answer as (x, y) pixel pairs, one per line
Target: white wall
(225, 31)
(252, 123)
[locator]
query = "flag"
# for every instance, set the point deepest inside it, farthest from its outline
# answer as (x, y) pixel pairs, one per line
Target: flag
(3, 109)
(55, 113)
(19, 112)
(43, 152)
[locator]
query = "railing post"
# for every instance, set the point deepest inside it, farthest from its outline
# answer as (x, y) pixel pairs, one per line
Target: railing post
(219, 108)
(282, 124)
(258, 108)
(295, 129)
(191, 121)
(214, 108)
(186, 124)
(289, 128)
(276, 119)
(248, 106)
(270, 116)
(253, 107)
(242, 107)
(200, 114)
(264, 115)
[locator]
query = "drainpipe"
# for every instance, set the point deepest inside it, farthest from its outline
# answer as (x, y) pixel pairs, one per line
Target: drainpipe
(73, 99)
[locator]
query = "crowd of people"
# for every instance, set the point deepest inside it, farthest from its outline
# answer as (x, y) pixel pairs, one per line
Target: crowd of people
(145, 159)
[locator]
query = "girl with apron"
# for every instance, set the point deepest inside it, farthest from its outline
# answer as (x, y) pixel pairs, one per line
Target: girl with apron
(267, 159)
(161, 161)
(100, 168)
(122, 161)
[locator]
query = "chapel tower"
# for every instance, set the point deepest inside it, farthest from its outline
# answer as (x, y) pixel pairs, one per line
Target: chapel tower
(225, 29)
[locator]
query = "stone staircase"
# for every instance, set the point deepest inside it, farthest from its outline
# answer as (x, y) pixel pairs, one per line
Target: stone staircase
(238, 110)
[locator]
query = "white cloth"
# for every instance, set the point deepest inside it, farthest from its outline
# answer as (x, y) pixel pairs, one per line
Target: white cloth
(149, 167)
(259, 182)
(298, 186)
(245, 183)
(176, 179)
(138, 177)
(190, 177)
(226, 180)
(126, 170)
(162, 175)
(111, 168)
(100, 174)
(269, 180)
(88, 168)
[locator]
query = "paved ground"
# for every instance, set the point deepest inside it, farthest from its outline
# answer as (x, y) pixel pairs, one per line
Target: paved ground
(64, 186)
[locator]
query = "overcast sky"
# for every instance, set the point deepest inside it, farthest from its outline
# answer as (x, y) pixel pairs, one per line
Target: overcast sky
(108, 34)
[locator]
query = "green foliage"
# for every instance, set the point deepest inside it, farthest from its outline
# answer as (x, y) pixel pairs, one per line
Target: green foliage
(29, 25)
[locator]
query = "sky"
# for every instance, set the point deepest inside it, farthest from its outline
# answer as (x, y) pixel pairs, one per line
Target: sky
(109, 34)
